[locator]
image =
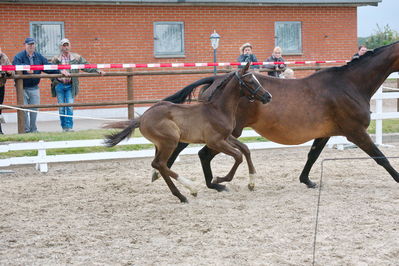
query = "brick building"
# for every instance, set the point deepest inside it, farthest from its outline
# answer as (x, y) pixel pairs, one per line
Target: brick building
(125, 31)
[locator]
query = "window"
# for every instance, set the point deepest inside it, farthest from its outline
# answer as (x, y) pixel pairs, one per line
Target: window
(169, 39)
(288, 35)
(48, 36)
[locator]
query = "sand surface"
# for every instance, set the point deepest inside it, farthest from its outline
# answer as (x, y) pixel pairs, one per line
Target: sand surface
(109, 213)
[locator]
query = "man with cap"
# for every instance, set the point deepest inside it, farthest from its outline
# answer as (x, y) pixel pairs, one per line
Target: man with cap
(246, 55)
(29, 56)
(66, 88)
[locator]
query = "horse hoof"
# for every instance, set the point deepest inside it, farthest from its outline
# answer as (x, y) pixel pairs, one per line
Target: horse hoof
(251, 187)
(218, 187)
(155, 176)
(183, 200)
(311, 184)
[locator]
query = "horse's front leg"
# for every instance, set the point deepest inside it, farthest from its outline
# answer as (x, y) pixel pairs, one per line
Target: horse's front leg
(364, 142)
(225, 147)
(247, 153)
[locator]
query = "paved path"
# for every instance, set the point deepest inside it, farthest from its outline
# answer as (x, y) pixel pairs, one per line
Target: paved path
(54, 126)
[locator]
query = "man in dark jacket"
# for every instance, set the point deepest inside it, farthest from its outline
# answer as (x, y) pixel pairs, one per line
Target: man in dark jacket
(29, 56)
(361, 51)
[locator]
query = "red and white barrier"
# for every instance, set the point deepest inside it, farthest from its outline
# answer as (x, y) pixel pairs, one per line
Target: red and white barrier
(101, 66)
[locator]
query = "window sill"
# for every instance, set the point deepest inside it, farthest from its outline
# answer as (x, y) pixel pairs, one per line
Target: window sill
(169, 56)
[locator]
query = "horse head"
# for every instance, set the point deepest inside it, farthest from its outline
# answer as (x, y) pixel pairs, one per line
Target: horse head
(251, 86)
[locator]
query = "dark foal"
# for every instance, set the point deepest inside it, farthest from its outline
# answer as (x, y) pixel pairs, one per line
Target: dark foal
(166, 124)
(330, 102)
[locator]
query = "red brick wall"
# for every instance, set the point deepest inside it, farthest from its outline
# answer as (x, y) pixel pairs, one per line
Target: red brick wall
(124, 34)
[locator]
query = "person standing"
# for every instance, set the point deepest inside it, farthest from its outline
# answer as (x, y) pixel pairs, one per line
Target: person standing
(288, 74)
(29, 56)
(275, 57)
(361, 51)
(246, 55)
(3, 61)
(66, 88)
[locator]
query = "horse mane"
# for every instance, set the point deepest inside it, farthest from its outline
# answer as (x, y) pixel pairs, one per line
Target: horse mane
(186, 94)
(209, 91)
(357, 61)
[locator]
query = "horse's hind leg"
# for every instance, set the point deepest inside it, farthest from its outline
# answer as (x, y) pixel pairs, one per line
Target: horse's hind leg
(160, 163)
(181, 146)
(247, 153)
(364, 142)
(206, 155)
(314, 153)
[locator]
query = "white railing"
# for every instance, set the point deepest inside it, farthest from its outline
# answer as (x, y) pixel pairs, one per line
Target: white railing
(42, 159)
(379, 115)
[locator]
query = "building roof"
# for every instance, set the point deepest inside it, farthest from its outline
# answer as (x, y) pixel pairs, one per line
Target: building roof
(208, 2)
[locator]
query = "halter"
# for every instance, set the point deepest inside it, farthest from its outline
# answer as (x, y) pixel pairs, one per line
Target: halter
(243, 84)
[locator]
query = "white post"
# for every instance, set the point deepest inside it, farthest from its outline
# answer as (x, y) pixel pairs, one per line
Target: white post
(42, 167)
(378, 121)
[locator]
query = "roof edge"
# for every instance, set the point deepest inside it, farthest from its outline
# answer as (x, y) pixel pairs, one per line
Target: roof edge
(202, 3)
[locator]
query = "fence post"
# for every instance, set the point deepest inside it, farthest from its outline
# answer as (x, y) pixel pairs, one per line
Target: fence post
(20, 101)
(130, 94)
(41, 154)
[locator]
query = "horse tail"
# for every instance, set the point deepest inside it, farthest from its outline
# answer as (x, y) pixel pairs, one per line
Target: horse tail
(113, 139)
(186, 93)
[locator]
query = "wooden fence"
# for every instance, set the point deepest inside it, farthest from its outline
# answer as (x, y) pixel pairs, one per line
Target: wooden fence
(129, 74)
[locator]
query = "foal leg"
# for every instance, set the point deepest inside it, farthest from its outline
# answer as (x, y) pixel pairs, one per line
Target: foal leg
(160, 163)
(245, 150)
(317, 147)
(181, 146)
(225, 147)
(364, 142)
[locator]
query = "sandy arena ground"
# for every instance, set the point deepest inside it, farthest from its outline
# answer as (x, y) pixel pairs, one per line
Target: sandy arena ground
(109, 213)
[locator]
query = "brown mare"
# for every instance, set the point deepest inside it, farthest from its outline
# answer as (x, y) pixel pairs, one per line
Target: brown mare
(166, 124)
(330, 102)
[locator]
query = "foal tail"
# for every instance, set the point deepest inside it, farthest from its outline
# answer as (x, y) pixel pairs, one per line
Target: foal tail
(115, 138)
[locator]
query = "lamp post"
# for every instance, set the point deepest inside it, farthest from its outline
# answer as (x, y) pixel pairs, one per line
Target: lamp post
(215, 44)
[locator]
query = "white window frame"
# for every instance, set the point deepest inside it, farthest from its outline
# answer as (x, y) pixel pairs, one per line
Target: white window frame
(48, 46)
(177, 46)
(282, 41)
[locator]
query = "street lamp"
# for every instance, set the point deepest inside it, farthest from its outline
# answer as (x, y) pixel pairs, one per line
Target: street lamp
(215, 44)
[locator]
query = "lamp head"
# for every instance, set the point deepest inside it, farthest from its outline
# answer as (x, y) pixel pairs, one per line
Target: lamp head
(215, 39)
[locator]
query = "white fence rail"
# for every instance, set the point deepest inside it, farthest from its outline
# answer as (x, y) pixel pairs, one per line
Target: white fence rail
(42, 159)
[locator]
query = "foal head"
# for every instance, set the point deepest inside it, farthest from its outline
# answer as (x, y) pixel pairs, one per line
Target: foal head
(251, 87)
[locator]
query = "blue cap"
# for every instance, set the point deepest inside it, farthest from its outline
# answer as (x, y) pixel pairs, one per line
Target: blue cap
(29, 40)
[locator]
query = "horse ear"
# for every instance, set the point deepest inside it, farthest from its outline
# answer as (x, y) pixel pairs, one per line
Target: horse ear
(245, 68)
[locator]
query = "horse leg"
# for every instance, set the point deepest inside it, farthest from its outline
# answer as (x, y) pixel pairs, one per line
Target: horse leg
(160, 163)
(317, 147)
(364, 142)
(181, 146)
(225, 147)
(247, 153)
(206, 155)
